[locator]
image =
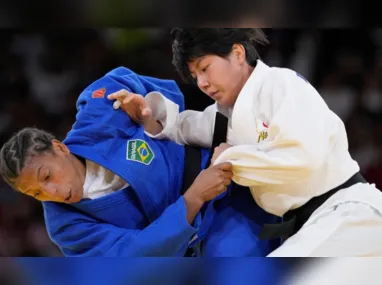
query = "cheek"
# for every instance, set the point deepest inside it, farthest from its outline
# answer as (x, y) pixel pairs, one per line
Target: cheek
(223, 76)
(64, 183)
(59, 183)
(218, 77)
(65, 173)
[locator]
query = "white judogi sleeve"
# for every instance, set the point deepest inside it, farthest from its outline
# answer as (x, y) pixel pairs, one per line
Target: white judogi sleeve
(299, 132)
(188, 127)
(298, 136)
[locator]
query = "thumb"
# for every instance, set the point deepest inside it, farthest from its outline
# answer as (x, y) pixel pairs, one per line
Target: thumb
(146, 111)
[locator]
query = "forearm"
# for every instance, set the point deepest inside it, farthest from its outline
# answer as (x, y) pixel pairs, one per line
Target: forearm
(188, 127)
(153, 127)
(193, 206)
(79, 235)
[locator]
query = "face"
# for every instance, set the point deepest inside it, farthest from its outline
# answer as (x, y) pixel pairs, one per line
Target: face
(57, 177)
(222, 78)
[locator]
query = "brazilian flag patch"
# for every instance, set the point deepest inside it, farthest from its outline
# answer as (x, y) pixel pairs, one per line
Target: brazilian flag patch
(139, 151)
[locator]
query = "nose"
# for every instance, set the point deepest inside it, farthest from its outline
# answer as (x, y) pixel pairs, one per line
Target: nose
(202, 83)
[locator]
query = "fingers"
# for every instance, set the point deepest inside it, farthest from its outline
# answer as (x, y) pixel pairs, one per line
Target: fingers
(146, 111)
(131, 103)
(136, 100)
(222, 188)
(227, 181)
(117, 104)
(225, 166)
(224, 178)
(227, 174)
(119, 95)
(126, 97)
(224, 145)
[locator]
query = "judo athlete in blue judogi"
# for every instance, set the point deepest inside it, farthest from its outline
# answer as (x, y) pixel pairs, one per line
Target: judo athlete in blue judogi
(110, 190)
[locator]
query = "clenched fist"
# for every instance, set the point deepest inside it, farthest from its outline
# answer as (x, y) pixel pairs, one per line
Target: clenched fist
(211, 182)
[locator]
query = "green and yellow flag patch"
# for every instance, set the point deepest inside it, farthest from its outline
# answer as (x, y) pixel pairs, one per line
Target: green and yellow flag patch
(139, 151)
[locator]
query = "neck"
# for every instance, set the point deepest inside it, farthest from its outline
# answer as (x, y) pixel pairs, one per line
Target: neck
(81, 159)
(245, 74)
(248, 72)
(80, 165)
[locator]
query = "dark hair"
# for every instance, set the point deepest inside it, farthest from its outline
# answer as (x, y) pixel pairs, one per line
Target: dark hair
(188, 44)
(21, 146)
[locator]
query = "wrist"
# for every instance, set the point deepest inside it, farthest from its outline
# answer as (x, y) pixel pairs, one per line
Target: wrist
(193, 205)
(192, 199)
(152, 126)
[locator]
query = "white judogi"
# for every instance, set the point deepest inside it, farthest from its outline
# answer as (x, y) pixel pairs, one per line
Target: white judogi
(288, 147)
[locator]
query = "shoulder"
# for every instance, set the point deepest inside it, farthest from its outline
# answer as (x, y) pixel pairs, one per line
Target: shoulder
(280, 83)
(284, 75)
(281, 80)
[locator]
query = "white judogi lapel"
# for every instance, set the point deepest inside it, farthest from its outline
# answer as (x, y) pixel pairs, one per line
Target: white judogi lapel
(245, 123)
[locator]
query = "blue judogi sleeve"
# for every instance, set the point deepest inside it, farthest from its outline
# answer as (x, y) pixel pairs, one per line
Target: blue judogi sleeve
(101, 134)
(78, 235)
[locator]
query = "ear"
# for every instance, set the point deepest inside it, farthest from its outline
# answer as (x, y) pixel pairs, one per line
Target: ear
(59, 147)
(238, 52)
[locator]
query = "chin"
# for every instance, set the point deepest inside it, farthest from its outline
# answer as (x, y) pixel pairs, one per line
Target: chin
(76, 199)
(225, 103)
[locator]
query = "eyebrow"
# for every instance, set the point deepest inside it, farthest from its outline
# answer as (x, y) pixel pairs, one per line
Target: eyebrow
(199, 61)
(29, 189)
(197, 65)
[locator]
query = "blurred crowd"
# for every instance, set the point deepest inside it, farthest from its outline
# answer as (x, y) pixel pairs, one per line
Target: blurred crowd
(42, 74)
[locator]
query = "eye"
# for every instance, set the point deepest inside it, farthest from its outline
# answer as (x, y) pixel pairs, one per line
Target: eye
(205, 68)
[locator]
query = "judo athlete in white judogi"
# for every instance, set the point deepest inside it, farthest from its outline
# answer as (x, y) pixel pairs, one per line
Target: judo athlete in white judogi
(284, 142)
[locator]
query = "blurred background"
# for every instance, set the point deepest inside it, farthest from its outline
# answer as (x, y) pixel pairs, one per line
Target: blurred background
(42, 74)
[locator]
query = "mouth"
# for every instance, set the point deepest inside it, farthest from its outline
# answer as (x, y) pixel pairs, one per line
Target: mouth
(213, 94)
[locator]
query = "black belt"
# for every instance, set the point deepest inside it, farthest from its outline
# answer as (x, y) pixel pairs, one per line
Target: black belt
(295, 219)
(193, 157)
(192, 163)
